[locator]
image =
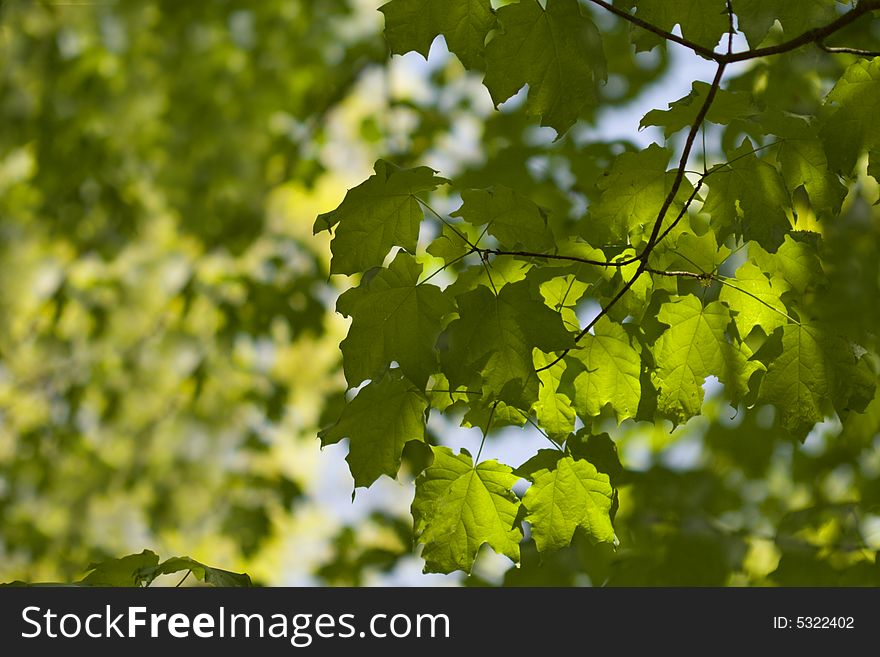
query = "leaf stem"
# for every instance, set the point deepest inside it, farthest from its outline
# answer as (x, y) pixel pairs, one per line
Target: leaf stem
(486, 432)
(448, 264)
(188, 572)
(723, 280)
(540, 430)
(446, 223)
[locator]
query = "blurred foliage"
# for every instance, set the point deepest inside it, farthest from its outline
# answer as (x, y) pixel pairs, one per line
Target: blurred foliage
(169, 351)
(165, 342)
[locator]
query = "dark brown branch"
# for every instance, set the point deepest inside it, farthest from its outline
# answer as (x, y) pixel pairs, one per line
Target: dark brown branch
(655, 232)
(551, 256)
(816, 35)
(682, 164)
(663, 34)
(684, 208)
(811, 36)
(699, 185)
(858, 52)
(605, 310)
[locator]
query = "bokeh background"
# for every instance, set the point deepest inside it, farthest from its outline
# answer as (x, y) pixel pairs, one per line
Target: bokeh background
(168, 343)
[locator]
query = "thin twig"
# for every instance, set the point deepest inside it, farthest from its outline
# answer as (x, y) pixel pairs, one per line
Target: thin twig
(723, 280)
(731, 30)
(836, 50)
(702, 276)
(682, 164)
(700, 182)
(604, 311)
(550, 256)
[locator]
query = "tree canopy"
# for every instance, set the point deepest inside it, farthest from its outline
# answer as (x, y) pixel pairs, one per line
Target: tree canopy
(236, 233)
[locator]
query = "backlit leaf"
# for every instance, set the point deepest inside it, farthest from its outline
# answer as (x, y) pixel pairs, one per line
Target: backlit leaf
(458, 507)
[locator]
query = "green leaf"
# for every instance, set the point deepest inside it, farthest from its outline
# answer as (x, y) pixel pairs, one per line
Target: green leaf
(495, 336)
(756, 17)
(557, 52)
(562, 498)
(448, 245)
(756, 300)
(544, 459)
(207, 574)
(481, 411)
(701, 21)
(874, 165)
(850, 126)
(805, 381)
(553, 409)
(512, 218)
(141, 569)
(502, 271)
(393, 318)
(698, 254)
(459, 507)
(608, 370)
(414, 24)
(692, 348)
(131, 570)
(599, 450)
(750, 193)
(636, 300)
(562, 294)
(802, 159)
(378, 423)
(795, 262)
(727, 106)
(378, 214)
(633, 192)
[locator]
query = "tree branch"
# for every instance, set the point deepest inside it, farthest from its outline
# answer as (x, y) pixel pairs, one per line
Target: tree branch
(811, 36)
(815, 35)
(551, 256)
(668, 36)
(682, 164)
(684, 208)
(731, 30)
(605, 310)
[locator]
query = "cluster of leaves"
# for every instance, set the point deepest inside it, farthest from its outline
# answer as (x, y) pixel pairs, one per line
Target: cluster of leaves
(504, 313)
(142, 569)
